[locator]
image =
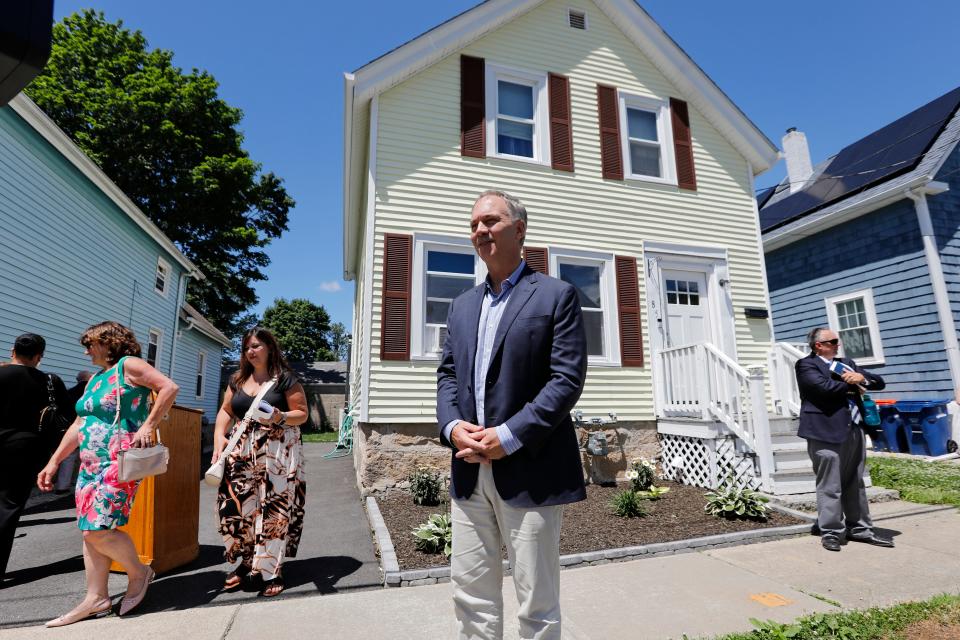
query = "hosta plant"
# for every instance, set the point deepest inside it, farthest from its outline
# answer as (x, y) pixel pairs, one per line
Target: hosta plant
(641, 474)
(435, 535)
(734, 502)
(426, 486)
(627, 504)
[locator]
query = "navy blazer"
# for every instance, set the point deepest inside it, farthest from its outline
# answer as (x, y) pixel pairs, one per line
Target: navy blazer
(824, 409)
(536, 375)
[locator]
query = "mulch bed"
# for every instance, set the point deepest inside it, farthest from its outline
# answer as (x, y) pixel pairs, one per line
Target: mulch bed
(588, 525)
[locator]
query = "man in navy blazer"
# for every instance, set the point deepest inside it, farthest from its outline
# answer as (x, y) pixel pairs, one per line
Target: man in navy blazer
(831, 420)
(512, 369)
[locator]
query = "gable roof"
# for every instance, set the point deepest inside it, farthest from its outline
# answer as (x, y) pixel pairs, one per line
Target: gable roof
(197, 321)
(864, 175)
(392, 68)
(40, 122)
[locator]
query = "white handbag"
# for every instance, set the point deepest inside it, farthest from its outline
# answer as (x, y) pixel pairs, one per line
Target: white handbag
(214, 475)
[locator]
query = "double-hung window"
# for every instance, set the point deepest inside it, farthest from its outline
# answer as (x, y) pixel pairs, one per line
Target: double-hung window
(201, 370)
(591, 274)
(162, 280)
(153, 347)
(516, 103)
(854, 318)
(647, 139)
(443, 269)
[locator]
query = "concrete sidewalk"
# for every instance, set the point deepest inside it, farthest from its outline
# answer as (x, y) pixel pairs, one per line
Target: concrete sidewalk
(698, 594)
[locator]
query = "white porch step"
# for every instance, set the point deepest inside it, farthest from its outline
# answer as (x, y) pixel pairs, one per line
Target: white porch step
(780, 425)
(793, 481)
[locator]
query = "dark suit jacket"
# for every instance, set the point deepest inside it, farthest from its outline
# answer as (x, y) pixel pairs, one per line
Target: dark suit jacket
(536, 374)
(824, 410)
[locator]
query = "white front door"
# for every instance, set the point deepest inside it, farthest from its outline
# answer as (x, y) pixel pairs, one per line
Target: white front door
(685, 297)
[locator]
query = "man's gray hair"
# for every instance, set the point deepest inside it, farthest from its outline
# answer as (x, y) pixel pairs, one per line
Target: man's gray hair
(814, 337)
(514, 206)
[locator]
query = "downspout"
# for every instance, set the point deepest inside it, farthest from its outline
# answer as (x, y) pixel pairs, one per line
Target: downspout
(940, 296)
(181, 296)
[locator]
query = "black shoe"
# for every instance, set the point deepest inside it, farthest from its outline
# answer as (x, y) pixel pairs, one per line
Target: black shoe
(875, 540)
(830, 543)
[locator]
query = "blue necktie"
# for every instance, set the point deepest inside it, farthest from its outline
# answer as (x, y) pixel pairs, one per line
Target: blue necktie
(854, 411)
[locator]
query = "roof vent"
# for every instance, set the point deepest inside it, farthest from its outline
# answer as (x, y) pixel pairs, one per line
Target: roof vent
(577, 19)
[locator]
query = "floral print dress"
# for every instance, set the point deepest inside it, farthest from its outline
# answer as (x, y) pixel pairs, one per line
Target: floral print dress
(103, 502)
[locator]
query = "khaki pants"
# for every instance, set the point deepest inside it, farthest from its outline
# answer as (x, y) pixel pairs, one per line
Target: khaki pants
(532, 537)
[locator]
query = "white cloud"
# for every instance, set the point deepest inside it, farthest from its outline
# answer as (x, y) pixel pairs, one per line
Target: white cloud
(330, 286)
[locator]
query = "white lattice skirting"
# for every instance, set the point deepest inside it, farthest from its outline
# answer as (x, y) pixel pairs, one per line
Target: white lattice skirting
(706, 462)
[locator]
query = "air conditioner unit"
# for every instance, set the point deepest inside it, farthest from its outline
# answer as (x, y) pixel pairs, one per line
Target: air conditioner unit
(434, 338)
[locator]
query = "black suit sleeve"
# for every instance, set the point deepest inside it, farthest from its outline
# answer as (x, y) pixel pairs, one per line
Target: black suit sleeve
(817, 386)
(873, 383)
(447, 382)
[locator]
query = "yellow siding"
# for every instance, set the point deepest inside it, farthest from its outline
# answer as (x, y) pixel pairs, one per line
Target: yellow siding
(423, 184)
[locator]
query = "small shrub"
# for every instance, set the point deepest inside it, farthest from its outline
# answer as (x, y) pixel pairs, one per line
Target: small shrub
(435, 535)
(426, 486)
(732, 502)
(627, 504)
(653, 493)
(641, 474)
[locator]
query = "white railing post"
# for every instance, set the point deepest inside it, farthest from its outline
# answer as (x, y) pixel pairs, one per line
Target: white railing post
(761, 426)
(702, 381)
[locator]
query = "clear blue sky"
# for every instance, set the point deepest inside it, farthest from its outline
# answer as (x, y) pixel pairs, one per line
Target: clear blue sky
(836, 69)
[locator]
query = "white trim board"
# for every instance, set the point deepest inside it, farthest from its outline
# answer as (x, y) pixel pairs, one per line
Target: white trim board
(49, 131)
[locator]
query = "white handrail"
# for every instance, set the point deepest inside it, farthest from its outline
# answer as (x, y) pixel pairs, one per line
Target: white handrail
(783, 379)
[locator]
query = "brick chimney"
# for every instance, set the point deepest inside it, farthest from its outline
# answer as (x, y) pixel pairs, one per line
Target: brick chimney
(797, 154)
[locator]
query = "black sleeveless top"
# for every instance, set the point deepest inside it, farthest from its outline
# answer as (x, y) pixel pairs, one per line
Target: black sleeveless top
(276, 397)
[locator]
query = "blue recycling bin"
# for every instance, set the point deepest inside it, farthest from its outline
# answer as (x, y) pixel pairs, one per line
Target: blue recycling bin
(890, 426)
(926, 424)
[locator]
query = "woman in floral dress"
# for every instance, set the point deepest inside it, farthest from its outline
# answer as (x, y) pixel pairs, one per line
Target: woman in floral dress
(103, 502)
(260, 500)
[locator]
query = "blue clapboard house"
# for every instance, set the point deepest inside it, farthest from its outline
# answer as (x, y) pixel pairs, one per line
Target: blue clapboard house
(77, 251)
(868, 243)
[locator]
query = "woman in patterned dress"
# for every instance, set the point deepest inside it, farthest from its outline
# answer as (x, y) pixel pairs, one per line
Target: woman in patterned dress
(103, 502)
(260, 500)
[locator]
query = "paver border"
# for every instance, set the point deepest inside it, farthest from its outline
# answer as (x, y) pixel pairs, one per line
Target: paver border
(394, 577)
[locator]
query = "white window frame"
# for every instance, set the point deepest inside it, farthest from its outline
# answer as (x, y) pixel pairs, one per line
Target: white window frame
(201, 374)
(168, 270)
(660, 108)
(833, 321)
(608, 294)
(154, 331)
(422, 244)
(541, 119)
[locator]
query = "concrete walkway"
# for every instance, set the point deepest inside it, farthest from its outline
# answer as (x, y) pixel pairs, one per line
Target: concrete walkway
(45, 577)
(698, 594)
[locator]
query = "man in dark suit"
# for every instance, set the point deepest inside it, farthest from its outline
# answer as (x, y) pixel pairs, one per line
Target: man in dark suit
(512, 369)
(831, 421)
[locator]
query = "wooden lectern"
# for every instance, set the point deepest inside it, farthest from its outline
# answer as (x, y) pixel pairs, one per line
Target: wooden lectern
(164, 522)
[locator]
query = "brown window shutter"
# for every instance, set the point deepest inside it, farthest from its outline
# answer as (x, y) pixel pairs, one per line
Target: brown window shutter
(682, 144)
(473, 126)
(395, 320)
(628, 308)
(610, 155)
(561, 127)
(536, 258)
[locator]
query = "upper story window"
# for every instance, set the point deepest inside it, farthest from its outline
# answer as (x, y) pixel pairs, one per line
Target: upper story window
(153, 347)
(443, 269)
(647, 139)
(854, 318)
(591, 274)
(162, 282)
(516, 105)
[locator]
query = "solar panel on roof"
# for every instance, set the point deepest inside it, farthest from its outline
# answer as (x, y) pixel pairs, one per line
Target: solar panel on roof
(892, 150)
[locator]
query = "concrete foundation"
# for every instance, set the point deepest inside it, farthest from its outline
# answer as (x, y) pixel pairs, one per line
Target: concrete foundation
(386, 454)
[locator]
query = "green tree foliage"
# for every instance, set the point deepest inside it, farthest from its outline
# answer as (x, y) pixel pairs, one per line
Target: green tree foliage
(301, 328)
(172, 145)
(339, 341)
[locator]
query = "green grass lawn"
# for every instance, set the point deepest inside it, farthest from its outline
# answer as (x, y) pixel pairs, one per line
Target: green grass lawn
(314, 436)
(872, 624)
(918, 481)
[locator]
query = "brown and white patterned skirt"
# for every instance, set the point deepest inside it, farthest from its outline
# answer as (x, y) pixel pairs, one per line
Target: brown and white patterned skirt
(260, 501)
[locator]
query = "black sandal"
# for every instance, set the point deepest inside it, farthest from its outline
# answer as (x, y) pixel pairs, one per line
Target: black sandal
(237, 578)
(276, 584)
